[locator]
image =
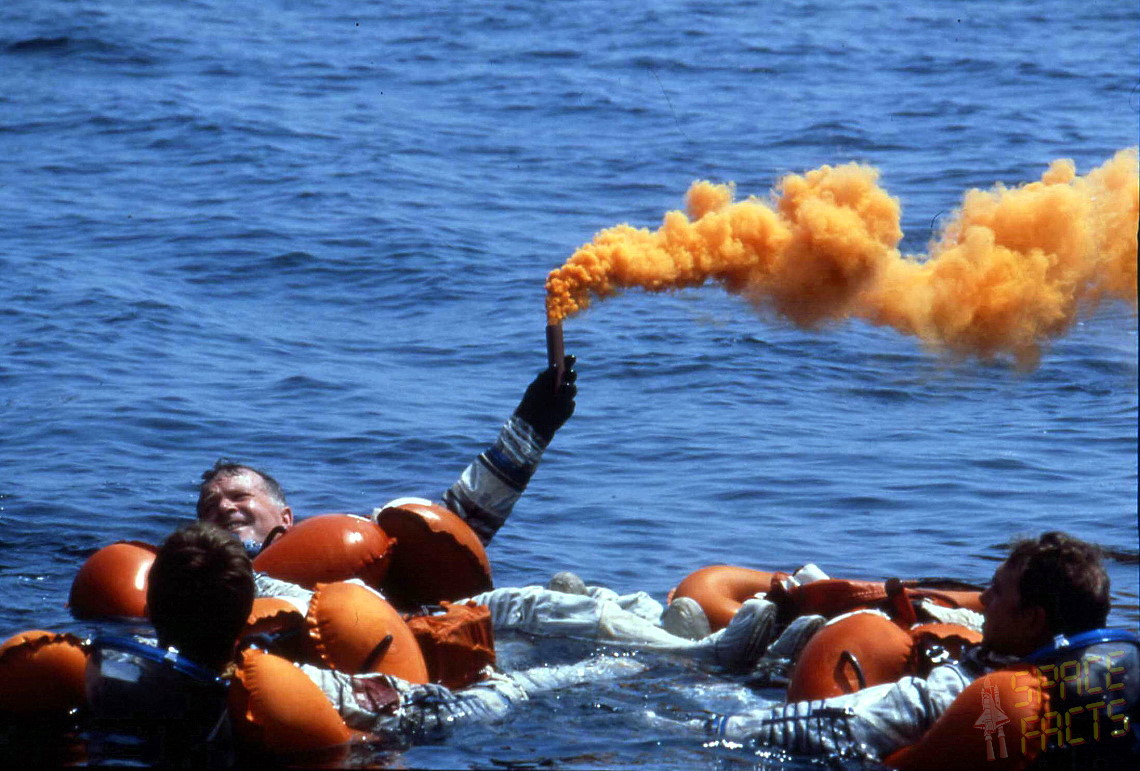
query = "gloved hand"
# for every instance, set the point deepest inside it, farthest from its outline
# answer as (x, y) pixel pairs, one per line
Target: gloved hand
(544, 408)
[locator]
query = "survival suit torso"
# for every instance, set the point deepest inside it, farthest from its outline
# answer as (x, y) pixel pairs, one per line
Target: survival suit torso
(1092, 720)
(153, 705)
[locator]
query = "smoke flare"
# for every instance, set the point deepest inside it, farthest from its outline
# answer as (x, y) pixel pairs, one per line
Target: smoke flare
(1014, 268)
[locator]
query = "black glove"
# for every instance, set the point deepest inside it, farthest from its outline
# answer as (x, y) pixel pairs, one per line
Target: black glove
(544, 408)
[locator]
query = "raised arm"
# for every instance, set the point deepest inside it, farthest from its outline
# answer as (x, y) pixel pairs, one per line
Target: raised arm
(487, 490)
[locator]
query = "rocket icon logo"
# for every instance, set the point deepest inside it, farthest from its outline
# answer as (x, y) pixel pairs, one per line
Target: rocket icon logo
(992, 719)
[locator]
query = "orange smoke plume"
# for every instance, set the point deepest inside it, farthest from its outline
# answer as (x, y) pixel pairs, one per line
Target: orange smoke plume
(1013, 269)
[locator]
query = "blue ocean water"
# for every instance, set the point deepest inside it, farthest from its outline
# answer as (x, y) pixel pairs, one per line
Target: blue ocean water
(313, 236)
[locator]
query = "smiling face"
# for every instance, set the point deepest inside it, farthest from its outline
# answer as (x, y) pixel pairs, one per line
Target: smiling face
(242, 504)
(1010, 626)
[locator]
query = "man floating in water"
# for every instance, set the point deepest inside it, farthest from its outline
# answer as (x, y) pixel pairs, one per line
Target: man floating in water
(1047, 605)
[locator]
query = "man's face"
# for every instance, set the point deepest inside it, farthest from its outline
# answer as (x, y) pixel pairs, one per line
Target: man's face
(241, 504)
(1009, 627)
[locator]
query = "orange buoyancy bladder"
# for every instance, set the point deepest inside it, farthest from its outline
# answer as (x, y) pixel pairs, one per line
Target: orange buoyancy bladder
(112, 582)
(720, 590)
(437, 556)
(985, 727)
(274, 706)
(328, 547)
(851, 653)
(356, 631)
(42, 673)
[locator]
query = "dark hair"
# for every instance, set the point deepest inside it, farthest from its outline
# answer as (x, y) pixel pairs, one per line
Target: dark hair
(1064, 576)
(227, 468)
(200, 593)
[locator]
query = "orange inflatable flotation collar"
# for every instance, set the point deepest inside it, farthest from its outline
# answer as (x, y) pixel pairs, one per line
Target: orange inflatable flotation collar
(721, 589)
(42, 673)
(356, 631)
(326, 548)
(274, 706)
(437, 556)
(112, 582)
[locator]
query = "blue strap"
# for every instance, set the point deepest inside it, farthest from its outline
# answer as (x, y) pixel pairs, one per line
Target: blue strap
(169, 657)
(1082, 640)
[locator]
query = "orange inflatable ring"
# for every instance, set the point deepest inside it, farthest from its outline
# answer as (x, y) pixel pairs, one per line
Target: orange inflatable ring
(112, 582)
(325, 548)
(42, 673)
(851, 653)
(356, 631)
(275, 706)
(960, 740)
(437, 556)
(721, 589)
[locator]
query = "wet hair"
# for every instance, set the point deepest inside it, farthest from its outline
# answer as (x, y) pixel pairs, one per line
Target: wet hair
(1064, 576)
(200, 593)
(226, 468)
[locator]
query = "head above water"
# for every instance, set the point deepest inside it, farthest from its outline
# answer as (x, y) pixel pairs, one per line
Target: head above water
(1050, 585)
(200, 592)
(243, 500)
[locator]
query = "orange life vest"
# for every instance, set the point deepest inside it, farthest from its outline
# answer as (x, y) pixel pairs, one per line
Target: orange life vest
(458, 644)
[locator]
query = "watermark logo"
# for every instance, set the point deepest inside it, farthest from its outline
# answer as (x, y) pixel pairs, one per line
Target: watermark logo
(992, 719)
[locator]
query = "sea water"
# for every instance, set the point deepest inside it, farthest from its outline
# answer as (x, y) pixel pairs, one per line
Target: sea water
(312, 236)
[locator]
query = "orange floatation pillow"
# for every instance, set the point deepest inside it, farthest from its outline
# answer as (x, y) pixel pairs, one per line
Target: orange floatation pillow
(356, 631)
(326, 548)
(113, 581)
(42, 673)
(273, 705)
(853, 652)
(436, 557)
(866, 648)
